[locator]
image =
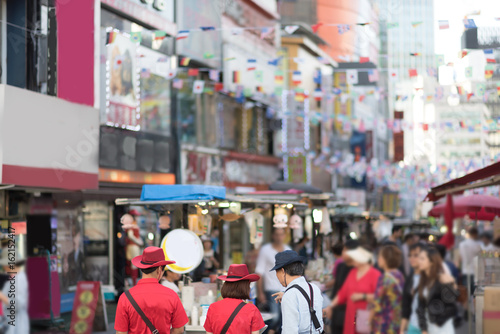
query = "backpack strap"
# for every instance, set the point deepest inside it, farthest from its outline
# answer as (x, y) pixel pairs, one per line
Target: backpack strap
(231, 318)
(310, 302)
(137, 308)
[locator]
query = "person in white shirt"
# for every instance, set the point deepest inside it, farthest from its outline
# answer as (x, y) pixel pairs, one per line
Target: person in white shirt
(269, 284)
(295, 306)
(487, 242)
(469, 249)
(169, 280)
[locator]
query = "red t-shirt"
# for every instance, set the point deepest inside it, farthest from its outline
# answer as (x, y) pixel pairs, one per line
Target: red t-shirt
(247, 320)
(160, 304)
(367, 284)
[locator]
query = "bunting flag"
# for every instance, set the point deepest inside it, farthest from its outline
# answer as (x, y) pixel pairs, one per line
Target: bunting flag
(469, 95)
(160, 34)
(469, 24)
(177, 83)
(391, 25)
(299, 60)
(300, 96)
(498, 88)
(297, 77)
(274, 62)
(336, 91)
(352, 77)
(198, 86)
(415, 54)
(342, 28)
(236, 77)
(208, 55)
(193, 72)
(363, 24)
(439, 60)
(439, 93)
(373, 75)
(323, 60)
(136, 37)
(219, 86)
(291, 29)
(490, 58)
(462, 53)
(229, 58)
(416, 23)
(412, 72)
(145, 73)
(266, 32)
(111, 36)
(318, 94)
(259, 76)
(443, 24)
(278, 78)
(251, 64)
(213, 75)
(317, 77)
(315, 27)
(185, 61)
(364, 59)
(488, 71)
(207, 28)
(431, 71)
(171, 73)
(480, 89)
(394, 74)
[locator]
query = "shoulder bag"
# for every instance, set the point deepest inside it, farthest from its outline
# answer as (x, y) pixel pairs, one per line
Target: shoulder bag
(310, 302)
(231, 318)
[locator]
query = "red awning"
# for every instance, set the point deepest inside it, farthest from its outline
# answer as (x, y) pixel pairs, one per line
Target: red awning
(485, 177)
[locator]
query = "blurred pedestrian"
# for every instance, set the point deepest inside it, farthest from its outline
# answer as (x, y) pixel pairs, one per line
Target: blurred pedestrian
(337, 250)
(18, 278)
(487, 242)
(397, 233)
(408, 241)
(161, 308)
(358, 290)
(302, 302)
(232, 314)
(269, 284)
(386, 311)
(469, 249)
(410, 300)
(341, 273)
(437, 295)
(170, 279)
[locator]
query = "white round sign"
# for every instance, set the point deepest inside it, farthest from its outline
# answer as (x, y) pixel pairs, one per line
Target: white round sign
(185, 248)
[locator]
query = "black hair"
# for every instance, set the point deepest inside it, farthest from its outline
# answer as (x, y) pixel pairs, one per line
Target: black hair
(389, 243)
(441, 249)
(396, 229)
(487, 235)
(473, 231)
(409, 236)
(418, 245)
(149, 270)
(337, 249)
(295, 269)
(351, 244)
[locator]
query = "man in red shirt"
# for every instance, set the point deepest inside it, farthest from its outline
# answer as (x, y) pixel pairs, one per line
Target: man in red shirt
(160, 305)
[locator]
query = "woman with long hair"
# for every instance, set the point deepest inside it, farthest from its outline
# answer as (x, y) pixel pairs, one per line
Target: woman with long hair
(386, 310)
(437, 295)
(232, 314)
(357, 291)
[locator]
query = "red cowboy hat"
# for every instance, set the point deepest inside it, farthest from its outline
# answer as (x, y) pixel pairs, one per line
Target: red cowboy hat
(151, 257)
(238, 272)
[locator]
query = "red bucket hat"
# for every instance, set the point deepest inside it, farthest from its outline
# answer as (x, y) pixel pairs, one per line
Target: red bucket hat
(238, 272)
(151, 257)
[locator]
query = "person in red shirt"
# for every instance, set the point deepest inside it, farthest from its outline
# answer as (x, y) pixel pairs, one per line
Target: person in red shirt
(235, 291)
(358, 289)
(161, 305)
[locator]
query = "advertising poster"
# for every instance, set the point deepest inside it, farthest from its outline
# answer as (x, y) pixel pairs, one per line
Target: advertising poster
(96, 232)
(70, 247)
(89, 313)
(123, 101)
(155, 91)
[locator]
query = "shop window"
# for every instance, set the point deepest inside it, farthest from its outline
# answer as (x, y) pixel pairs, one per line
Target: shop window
(227, 108)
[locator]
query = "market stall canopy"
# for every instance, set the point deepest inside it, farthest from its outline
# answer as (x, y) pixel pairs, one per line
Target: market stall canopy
(193, 194)
(482, 207)
(484, 177)
(287, 186)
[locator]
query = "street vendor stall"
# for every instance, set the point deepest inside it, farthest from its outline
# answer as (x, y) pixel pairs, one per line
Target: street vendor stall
(476, 208)
(195, 212)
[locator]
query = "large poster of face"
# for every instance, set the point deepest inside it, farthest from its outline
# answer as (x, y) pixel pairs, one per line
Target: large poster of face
(122, 109)
(70, 247)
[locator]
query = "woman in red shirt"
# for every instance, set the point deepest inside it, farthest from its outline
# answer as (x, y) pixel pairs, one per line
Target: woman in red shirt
(235, 291)
(358, 289)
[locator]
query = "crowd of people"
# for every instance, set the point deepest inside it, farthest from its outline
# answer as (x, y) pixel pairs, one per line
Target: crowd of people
(405, 285)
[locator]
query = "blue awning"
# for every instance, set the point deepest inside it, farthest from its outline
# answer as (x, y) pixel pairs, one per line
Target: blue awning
(180, 192)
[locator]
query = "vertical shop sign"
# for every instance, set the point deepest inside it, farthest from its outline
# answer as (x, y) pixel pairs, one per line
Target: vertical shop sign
(297, 169)
(89, 311)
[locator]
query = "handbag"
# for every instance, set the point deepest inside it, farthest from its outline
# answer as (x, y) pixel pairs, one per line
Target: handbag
(363, 325)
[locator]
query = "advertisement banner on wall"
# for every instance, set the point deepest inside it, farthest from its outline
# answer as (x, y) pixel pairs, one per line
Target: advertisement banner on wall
(123, 104)
(202, 168)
